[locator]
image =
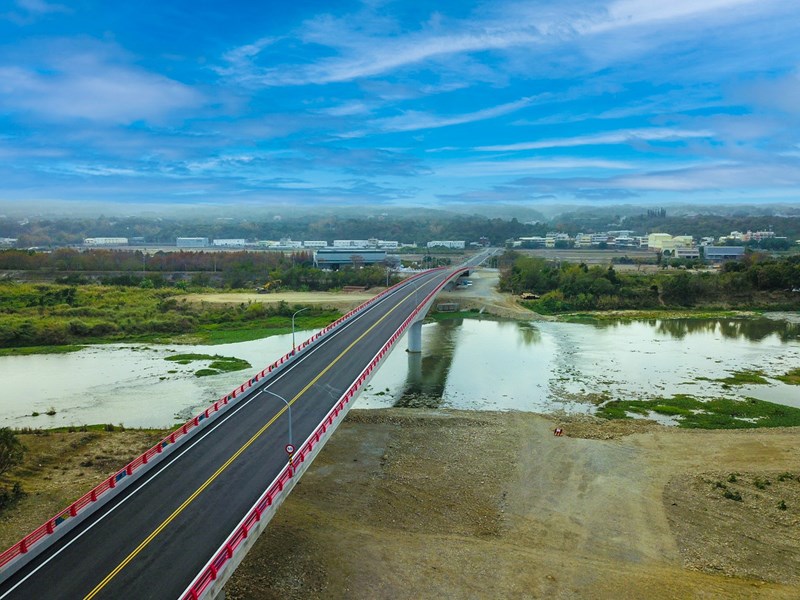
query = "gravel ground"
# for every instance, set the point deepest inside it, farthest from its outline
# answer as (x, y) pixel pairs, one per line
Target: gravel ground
(420, 504)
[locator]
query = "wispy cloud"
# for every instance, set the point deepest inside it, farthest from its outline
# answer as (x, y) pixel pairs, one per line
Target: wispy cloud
(615, 137)
(413, 120)
(479, 168)
(90, 81)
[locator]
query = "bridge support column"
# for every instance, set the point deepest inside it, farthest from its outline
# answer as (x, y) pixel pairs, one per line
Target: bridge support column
(415, 337)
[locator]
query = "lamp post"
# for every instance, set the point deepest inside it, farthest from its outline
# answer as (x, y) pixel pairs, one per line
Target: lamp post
(293, 316)
(289, 407)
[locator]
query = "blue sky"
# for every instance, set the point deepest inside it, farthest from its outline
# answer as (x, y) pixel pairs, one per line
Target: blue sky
(400, 103)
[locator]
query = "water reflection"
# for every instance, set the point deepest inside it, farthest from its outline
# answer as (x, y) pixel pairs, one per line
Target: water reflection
(548, 366)
(428, 371)
(754, 330)
(529, 334)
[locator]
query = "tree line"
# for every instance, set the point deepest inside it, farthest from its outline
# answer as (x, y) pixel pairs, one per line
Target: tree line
(422, 228)
(755, 281)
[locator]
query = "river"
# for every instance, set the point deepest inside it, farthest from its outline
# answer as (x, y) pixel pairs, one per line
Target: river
(467, 364)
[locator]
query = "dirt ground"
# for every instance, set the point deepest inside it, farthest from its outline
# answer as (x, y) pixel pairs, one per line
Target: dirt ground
(339, 300)
(422, 504)
(483, 295)
(410, 503)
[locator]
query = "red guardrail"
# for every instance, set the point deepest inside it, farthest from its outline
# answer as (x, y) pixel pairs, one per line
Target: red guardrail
(210, 573)
(108, 484)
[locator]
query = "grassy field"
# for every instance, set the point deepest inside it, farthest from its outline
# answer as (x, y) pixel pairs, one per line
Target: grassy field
(719, 413)
(792, 377)
(217, 364)
(39, 318)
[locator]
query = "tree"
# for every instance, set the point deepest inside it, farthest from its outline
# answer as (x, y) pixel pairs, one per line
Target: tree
(11, 450)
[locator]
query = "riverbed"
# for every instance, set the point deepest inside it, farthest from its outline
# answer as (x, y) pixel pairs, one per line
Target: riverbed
(472, 364)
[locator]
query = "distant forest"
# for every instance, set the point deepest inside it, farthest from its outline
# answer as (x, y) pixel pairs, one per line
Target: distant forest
(41, 232)
(44, 232)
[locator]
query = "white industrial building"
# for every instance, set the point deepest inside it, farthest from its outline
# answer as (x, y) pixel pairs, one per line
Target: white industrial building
(191, 242)
(229, 243)
(106, 241)
(460, 244)
(350, 243)
(315, 244)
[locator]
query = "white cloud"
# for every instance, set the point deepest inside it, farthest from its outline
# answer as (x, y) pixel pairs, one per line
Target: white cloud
(625, 136)
(40, 7)
(626, 13)
(414, 120)
(91, 82)
(523, 167)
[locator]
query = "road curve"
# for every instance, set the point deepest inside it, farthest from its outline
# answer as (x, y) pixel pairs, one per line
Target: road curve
(153, 537)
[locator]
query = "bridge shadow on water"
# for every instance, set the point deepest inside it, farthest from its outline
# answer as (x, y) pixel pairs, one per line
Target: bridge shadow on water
(428, 370)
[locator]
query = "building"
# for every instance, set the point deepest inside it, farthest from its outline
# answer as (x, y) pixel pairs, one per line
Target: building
(554, 236)
(447, 244)
(624, 242)
(757, 236)
(191, 242)
(665, 242)
(690, 253)
(230, 243)
(350, 243)
(333, 258)
(106, 241)
(655, 241)
(315, 244)
(583, 240)
(534, 241)
(289, 243)
(722, 253)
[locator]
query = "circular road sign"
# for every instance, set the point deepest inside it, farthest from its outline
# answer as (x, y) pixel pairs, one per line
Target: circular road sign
(289, 449)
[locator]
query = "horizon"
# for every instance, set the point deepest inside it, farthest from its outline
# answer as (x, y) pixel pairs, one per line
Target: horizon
(470, 107)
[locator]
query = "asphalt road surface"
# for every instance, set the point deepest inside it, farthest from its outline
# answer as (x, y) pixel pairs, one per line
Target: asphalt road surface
(154, 537)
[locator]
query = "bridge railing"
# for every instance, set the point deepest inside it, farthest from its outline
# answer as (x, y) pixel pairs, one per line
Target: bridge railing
(103, 490)
(235, 541)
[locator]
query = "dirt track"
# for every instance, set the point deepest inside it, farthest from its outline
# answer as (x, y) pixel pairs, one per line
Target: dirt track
(414, 504)
(342, 301)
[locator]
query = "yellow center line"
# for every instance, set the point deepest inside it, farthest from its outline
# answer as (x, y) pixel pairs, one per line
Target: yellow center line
(227, 463)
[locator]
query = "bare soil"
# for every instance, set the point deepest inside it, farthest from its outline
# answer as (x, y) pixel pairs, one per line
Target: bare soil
(410, 503)
(343, 301)
(483, 296)
(420, 504)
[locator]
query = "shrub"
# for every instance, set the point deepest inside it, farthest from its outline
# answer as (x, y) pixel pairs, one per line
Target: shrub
(11, 450)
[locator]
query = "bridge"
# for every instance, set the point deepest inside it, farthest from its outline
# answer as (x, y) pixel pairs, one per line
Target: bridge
(176, 521)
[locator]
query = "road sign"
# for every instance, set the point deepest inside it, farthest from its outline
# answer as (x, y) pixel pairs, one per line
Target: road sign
(289, 449)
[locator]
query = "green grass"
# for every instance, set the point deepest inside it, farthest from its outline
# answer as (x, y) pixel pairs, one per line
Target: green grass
(639, 315)
(218, 364)
(39, 350)
(745, 378)
(718, 413)
(791, 377)
(44, 318)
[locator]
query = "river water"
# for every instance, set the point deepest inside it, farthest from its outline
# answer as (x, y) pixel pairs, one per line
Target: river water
(467, 364)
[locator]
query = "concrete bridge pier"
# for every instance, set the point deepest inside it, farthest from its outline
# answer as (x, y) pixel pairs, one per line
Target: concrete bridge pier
(415, 337)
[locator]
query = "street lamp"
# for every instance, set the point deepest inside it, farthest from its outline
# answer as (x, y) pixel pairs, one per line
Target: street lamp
(289, 407)
(293, 316)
